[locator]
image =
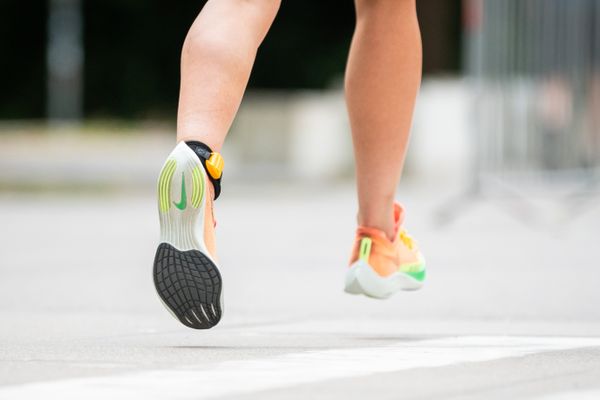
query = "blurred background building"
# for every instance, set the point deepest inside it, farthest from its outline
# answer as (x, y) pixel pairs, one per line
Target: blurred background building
(128, 51)
(105, 71)
(509, 98)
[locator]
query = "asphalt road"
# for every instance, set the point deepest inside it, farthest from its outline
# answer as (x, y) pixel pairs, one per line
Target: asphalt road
(510, 310)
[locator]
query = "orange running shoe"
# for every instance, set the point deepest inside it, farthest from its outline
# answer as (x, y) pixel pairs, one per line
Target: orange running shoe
(186, 275)
(380, 267)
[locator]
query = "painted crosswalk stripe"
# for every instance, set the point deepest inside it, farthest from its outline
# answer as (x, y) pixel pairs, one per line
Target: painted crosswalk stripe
(246, 376)
(573, 395)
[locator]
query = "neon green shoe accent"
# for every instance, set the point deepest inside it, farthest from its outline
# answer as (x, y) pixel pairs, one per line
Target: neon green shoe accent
(414, 270)
(419, 276)
(365, 249)
(183, 198)
(197, 187)
(164, 185)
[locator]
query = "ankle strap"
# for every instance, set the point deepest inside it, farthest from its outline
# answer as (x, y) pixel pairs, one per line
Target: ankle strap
(212, 162)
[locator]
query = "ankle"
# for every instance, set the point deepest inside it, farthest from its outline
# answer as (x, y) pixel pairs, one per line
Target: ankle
(211, 190)
(382, 222)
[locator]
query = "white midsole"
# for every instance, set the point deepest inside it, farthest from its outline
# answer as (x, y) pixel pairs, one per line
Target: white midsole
(184, 230)
(362, 279)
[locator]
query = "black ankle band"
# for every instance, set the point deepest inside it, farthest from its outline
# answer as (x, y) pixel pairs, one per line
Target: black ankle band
(203, 152)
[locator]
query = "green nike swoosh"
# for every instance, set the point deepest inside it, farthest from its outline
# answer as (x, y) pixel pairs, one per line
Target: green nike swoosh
(183, 200)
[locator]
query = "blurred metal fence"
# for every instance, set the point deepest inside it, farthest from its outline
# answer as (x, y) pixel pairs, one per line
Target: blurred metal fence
(535, 69)
(64, 60)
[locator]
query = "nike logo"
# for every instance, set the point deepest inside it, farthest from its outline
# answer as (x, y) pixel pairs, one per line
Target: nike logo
(183, 199)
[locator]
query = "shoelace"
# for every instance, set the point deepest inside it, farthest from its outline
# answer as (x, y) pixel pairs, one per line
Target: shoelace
(407, 239)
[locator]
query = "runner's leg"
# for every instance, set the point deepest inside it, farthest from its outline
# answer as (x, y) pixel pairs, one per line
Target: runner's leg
(216, 60)
(382, 79)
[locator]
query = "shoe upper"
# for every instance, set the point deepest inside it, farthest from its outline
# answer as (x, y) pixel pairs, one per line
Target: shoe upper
(210, 223)
(386, 256)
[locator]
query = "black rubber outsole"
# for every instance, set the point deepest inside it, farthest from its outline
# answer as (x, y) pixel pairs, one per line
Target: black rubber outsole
(189, 284)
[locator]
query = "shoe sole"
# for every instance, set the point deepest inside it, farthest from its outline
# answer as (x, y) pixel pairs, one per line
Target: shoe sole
(186, 277)
(362, 279)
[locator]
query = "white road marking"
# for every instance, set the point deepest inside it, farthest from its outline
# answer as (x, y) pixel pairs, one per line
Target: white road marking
(574, 395)
(236, 377)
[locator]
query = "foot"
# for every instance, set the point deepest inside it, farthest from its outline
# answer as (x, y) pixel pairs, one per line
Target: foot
(186, 275)
(380, 267)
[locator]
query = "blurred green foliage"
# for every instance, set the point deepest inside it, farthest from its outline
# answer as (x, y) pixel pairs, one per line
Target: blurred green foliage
(22, 58)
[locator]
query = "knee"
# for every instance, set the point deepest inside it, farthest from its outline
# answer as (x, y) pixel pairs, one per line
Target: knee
(247, 21)
(268, 8)
(262, 11)
(385, 3)
(389, 7)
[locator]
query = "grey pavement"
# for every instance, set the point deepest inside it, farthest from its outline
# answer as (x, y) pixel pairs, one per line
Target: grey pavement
(510, 309)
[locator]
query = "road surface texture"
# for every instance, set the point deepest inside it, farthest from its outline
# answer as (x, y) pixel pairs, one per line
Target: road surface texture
(511, 308)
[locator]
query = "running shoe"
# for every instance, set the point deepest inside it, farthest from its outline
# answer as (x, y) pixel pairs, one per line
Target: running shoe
(380, 267)
(186, 273)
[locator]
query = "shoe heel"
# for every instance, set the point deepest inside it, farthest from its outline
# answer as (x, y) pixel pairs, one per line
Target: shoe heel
(362, 279)
(181, 200)
(186, 277)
